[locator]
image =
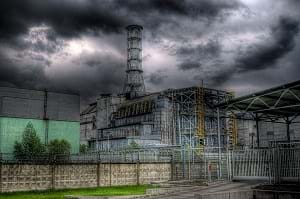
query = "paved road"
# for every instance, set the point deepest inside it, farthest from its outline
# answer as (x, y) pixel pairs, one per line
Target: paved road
(190, 191)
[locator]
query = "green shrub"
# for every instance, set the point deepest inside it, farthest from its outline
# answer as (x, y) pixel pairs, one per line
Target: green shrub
(83, 148)
(30, 146)
(57, 146)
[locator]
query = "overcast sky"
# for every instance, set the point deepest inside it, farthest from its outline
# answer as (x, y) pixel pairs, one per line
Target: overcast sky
(80, 45)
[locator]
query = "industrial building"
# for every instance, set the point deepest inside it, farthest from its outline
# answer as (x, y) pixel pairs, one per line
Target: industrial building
(267, 117)
(88, 128)
(53, 115)
(173, 117)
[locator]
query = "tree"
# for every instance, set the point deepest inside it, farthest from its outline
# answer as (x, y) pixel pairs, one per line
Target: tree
(30, 146)
(134, 145)
(59, 147)
(83, 148)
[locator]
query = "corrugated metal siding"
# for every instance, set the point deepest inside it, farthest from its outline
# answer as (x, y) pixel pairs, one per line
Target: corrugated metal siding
(11, 130)
(25, 103)
(63, 107)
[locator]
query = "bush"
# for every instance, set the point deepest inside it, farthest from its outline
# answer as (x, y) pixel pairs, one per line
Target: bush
(134, 145)
(83, 148)
(59, 150)
(57, 146)
(31, 146)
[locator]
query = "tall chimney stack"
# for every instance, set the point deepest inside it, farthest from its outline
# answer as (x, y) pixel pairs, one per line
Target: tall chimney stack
(134, 85)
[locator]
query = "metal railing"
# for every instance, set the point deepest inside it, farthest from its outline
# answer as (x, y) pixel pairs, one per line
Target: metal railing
(276, 165)
(252, 164)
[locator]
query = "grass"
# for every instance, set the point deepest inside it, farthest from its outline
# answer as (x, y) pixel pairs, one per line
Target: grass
(59, 194)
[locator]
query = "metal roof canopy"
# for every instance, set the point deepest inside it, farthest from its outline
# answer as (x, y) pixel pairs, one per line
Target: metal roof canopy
(282, 102)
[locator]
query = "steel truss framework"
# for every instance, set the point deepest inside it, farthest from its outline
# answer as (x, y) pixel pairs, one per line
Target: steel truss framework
(188, 110)
(278, 105)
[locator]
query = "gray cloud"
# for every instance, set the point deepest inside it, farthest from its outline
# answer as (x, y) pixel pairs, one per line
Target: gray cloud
(262, 56)
(156, 78)
(67, 18)
(188, 27)
(64, 20)
(189, 8)
(98, 73)
(72, 18)
(27, 76)
(192, 57)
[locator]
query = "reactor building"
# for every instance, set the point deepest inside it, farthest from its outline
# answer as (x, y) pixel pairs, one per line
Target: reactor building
(173, 117)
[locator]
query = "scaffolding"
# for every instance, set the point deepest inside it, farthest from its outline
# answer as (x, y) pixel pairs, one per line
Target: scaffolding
(232, 131)
(200, 111)
(195, 120)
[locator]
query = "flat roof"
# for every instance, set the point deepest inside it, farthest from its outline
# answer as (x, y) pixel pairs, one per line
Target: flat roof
(43, 90)
(281, 101)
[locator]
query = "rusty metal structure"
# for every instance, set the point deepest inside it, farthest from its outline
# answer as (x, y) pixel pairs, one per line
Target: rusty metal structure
(200, 110)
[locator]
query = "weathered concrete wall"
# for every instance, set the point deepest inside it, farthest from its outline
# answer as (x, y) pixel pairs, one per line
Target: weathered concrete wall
(75, 176)
(17, 177)
(25, 177)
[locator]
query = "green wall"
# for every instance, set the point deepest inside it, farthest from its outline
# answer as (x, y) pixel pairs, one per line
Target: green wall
(11, 130)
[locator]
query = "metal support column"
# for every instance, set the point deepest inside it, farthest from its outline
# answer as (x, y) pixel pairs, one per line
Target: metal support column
(45, 116)
(257, 129)
(219, 143)
(288, 122)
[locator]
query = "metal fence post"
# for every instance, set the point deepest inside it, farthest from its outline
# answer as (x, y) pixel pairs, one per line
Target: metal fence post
(219, 144)
(53, 175)
(0, 173)
(98, 173)
(138, 169)
(183, 163)
(110, 173)
(172, 165)
(227, 164)
(232, 164)
(205, 165)
(275, 165)
(138, 172)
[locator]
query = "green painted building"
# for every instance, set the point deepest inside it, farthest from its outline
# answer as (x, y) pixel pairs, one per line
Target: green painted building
(53, 115)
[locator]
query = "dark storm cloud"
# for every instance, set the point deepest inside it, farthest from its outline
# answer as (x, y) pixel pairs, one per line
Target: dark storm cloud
(27, 56)
(190, 8)
(72, 18)
(220, 77)
(98, 73)
(27, 76)
(262, 56)
(67, 18)
(188, 65)
(193, 57)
